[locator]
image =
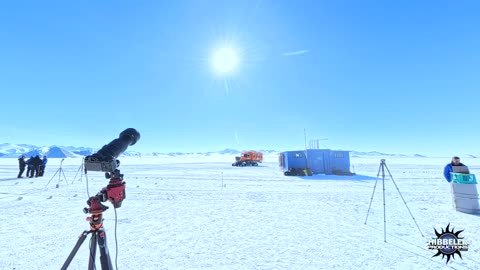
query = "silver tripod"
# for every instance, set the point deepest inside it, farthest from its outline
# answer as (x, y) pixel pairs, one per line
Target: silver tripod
(60, 172)
(382, 168)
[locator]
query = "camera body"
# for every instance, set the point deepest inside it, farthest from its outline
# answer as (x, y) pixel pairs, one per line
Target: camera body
(97, 164)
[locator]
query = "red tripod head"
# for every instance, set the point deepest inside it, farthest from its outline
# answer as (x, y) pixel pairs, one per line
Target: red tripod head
(115, 189)
(114, 192)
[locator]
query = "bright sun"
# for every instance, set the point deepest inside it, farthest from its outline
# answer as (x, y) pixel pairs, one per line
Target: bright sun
(225, 60)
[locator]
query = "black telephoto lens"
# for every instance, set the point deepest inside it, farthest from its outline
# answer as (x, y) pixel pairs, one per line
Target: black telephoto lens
(115, 148)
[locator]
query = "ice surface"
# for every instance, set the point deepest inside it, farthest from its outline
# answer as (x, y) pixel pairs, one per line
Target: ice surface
(177, 215)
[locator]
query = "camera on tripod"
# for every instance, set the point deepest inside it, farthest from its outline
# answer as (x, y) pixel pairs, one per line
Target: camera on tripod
(105, 160)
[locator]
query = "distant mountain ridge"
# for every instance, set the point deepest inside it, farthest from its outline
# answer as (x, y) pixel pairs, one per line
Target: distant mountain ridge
(52, 151)
(8, 150)
(377, 154)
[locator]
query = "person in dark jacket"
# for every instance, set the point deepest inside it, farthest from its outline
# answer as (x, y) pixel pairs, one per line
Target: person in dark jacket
(30, 167)
(454, 167)
(21, 164)
(42, 167)
(37, 162)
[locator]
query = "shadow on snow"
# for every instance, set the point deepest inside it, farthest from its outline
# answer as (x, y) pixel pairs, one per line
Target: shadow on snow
(357, 177)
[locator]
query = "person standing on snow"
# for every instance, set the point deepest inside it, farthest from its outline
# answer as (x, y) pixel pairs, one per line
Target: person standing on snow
(37, 162)
(21, 164)
(454, 167)
(42, 167)
(30, 167)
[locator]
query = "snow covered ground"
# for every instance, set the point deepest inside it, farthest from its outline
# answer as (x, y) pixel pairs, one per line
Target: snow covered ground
(177, 215)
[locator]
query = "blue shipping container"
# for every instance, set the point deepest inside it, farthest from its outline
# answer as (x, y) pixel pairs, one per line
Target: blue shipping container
(320, 161)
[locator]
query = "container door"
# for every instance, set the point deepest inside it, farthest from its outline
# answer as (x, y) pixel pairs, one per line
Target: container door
(318, 164)
(327, 162)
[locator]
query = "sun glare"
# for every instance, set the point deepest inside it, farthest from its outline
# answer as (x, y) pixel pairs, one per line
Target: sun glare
(225, 60)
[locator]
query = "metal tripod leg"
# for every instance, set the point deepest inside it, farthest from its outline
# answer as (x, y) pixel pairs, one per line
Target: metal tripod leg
(52, 178)
(373, 193)
(401, 196)
(384, 205)
(64, 177)
(80, 169)
(75, 249)
(93, 251)
(104, 254)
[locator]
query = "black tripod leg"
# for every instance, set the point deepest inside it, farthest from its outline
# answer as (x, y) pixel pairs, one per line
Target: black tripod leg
(93, 251)
(104, 255)
(75, 249)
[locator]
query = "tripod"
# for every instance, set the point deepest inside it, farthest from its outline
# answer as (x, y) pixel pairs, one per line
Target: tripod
(60, 172)
(382, 168)
(115, 193)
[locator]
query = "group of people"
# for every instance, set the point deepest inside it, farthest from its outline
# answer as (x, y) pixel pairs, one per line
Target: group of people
(35, 166)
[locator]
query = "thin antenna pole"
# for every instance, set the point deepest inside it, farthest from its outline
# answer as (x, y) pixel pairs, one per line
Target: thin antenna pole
(305, 136)
(306, 157)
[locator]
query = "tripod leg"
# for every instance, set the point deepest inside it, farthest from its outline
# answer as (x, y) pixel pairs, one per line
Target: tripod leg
(51, 178)
(93, 251)
(75, 249)
(373, 193)
(384, 206)
(75, 178)
(104, 254)
(64, 177)
(401, 196)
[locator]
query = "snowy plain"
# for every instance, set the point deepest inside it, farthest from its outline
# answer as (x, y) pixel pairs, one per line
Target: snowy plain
(201, 213)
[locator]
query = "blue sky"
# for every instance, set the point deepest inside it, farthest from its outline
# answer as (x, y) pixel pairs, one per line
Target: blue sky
(391, 76)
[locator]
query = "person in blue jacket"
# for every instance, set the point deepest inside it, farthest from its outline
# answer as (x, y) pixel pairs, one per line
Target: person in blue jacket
(456, 167)
(42, 167)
